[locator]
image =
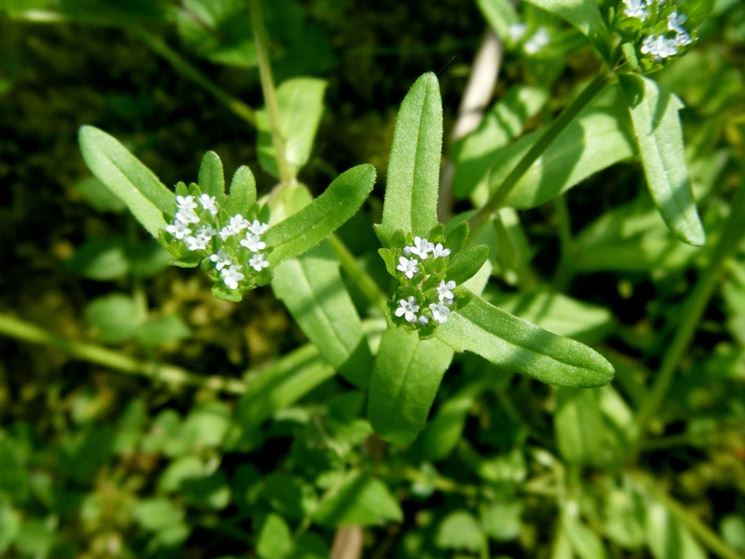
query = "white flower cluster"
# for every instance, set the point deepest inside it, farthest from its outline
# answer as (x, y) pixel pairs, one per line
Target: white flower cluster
(665, 45)
(197, 225)
(414, 268)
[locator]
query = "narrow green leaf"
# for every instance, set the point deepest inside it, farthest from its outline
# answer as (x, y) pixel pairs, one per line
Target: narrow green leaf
(582, 14)
(211, 177)
(499, 14)
(127, 178)
(595, 140)
(666, 535)
(312, 289)
(654, 115)
(474, 155)
(579, 426)
(316, 221)
(405, 378)
(414, 165)
(466, 263)
(300, 108)
(242, 191)
(360, 500)
(523, 347)
(585, 543)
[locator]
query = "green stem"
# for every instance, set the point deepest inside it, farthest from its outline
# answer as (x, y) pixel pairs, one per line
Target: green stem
(181, 65)
(261, 40)
(357, 273)
(546, 139)
(694, 307)
(27, 332)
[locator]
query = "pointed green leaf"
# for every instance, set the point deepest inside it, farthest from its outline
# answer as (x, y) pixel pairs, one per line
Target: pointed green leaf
(523, 347)
(654, 115)
(211, 177)
(499, 14)
(274, 539)
(595, 140)
(667, 537)
(582, 14)
(466, 263)
(300, 103)
(242, 191)
(127, 178)
(585, 543)
(414, 165)
(360, 500)
(312, 289)
(406, 375)
(316, 221)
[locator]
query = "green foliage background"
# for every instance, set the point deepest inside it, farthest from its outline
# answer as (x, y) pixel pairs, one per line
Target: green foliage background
(270, 462)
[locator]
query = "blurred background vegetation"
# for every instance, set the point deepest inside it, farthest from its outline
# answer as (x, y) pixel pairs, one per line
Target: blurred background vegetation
(96, 463)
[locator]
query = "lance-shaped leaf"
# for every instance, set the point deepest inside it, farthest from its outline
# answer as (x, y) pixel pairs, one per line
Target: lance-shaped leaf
(127, 178)
(582, 14)
(523, 347)
(654, 114)
(300, 103)
(360, 500)
(211, 176)
(312, 289)
(316, 221)
(499, 14)
(242, 191)
(414, 165)
(595, 140)
(405, 379)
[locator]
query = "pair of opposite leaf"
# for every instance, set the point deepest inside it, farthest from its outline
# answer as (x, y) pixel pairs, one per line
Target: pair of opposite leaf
(435, 311)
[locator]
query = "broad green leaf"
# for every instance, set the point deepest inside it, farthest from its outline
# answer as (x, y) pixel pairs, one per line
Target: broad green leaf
(300, 103)
(595, 140)
(579, 426)
(499, 14)
(413, 179)
(405, 378)
(523, 347)
(274, 540)
(10, 524)
(115, 318)
(501, 520)
(474, 155)
(441, 435)
(559, 314)
(667, 537)
(585, 543)
(316, 221)
(127, 178)
(460, 530)
(211, 176)
(654, 115)
(157, 514)
(360, 500)
(242, 191)
(159, 331)
(582, 14)
(281, 384)
(100, 259)
(312, 289)
(218, 30)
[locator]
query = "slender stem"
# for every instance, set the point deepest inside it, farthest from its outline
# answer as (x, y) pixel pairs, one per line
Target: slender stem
(27, 332)
(286, 175)
(181, 65)
(544, 141)
(694, 307)
(357, 273)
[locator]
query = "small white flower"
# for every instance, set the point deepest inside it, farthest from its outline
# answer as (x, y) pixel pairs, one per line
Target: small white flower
(682, 39)
(439, 251)
(208, 203)
(409, 266)
(407, 308)
(257, 228)
(237, 224)
(440, 312)
(196, 243)
(675, 22)
(232, 275)
(178, 229)
(187, 216)
(423, 320)
(516, 31)
(421, 248)
(658, 47)
(221, 260)
(258, 262)
(253, 243)
(635, 8)
(186, 203)
(445, 291)
(537, 41)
